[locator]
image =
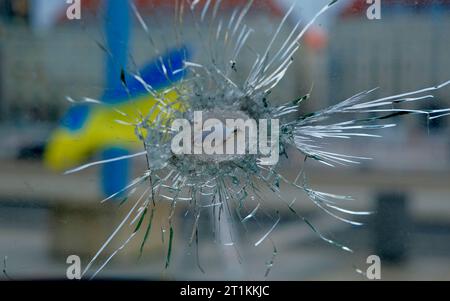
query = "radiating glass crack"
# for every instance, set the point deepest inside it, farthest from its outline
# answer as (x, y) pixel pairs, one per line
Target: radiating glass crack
(235, 188)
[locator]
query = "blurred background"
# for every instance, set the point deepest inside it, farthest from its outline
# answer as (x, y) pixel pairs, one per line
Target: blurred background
(46, 216)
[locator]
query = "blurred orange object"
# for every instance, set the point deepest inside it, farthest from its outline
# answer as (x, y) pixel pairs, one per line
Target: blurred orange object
(316, 38)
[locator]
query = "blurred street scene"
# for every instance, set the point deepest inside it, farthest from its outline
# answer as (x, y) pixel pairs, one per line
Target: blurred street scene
(46, 216)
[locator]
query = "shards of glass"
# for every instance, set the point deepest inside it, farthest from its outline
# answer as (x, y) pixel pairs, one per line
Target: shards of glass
(222, 188)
